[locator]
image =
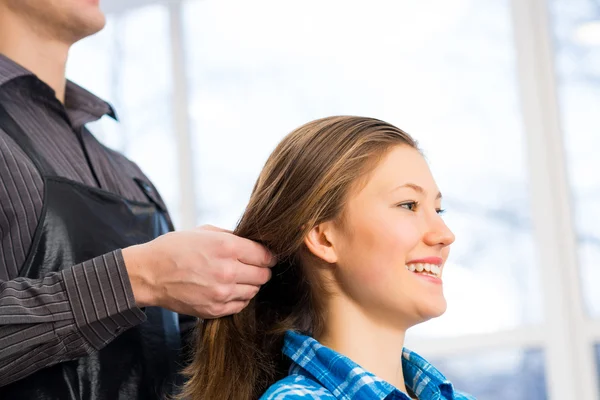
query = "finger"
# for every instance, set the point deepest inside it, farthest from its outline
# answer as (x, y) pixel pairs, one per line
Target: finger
(253, 253)
(244, 293)
(251, 275)
(234, 307)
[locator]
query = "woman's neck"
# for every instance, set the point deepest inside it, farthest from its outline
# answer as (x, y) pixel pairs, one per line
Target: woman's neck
(372, 344)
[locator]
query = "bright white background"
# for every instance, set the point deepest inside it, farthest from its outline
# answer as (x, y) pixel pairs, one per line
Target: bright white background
(503, 96)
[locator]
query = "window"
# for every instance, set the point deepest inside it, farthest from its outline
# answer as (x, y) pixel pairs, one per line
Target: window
(513, 374)
(576, 34)
(577, 38)
(458, 75)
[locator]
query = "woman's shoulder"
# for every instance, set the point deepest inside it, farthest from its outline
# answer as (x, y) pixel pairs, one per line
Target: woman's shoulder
(297, 387)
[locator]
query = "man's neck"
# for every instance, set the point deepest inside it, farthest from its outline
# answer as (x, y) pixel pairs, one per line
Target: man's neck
(45, 57)
(372, 344)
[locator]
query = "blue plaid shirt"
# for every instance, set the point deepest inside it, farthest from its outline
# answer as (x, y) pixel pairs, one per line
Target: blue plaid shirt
(318, 372)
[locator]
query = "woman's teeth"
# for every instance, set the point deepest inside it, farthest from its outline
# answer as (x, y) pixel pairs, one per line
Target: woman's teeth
(427, 269)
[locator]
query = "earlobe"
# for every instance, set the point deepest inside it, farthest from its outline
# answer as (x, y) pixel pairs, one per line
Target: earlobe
(319, 242)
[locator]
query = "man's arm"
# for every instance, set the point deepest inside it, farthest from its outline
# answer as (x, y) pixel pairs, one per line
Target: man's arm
(63, 316)
(205, 272)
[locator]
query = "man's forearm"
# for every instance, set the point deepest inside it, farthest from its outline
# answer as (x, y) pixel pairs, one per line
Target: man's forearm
(63, 316)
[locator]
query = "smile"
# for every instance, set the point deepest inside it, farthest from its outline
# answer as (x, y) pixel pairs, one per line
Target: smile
(425, 269)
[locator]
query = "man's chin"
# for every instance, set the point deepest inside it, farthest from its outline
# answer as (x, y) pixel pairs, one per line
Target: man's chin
(85, 27)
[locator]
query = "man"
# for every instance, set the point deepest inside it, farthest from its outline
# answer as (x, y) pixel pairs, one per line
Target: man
(90, 284)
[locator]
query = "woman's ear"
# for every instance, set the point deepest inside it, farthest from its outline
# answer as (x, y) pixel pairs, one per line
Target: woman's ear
(319, 242)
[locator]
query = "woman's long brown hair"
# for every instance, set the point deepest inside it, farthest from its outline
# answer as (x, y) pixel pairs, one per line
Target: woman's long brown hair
(303, 183)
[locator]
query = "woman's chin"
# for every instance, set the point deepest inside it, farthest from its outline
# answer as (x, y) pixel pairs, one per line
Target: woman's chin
(421, 312)
(433, 308)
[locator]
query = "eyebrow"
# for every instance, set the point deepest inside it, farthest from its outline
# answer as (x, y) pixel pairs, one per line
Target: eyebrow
(417, 188)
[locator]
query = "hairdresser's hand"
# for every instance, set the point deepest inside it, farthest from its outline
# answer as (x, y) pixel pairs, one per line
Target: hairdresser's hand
(206, 272)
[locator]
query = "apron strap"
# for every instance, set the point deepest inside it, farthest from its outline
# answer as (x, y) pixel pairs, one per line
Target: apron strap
(150, 195)
(12, 129)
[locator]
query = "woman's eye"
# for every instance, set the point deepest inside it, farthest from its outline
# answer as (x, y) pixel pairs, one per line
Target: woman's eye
(413, 206)
(410, 206)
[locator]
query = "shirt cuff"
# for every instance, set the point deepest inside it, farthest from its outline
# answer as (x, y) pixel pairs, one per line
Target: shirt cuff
(102, 299)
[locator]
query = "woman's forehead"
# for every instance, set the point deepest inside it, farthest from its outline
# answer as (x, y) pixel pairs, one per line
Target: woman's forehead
(403, 167)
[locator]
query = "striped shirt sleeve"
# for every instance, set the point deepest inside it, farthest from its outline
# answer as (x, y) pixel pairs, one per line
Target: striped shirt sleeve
(63, 316)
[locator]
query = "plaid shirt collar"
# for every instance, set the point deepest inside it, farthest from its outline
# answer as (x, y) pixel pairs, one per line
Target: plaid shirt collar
(347, 380)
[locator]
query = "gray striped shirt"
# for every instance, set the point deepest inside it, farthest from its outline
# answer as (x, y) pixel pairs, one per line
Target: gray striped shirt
(46, 321)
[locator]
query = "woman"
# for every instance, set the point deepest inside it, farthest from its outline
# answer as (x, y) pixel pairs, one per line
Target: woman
(351, 209)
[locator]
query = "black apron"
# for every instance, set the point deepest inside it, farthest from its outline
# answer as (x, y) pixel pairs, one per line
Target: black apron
(79, 223)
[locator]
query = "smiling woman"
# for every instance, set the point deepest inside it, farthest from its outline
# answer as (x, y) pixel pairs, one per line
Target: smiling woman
(351, 209)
